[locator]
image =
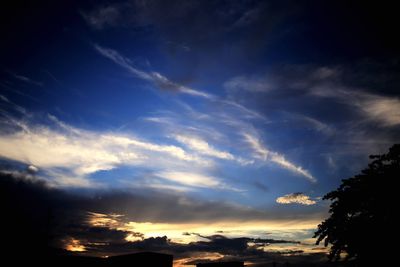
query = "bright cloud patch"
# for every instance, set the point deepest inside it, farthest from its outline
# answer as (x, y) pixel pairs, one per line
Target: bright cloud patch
(191, 179)
(374, 107)
(383, 109)
(203, 147)
(195, 180)
(71, 154)
(296, 198)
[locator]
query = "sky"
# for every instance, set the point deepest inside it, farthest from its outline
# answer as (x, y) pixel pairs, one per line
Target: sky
(205, 129)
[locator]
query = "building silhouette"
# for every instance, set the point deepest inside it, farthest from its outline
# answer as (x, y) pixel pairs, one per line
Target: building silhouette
(222, 264)
(141, 259)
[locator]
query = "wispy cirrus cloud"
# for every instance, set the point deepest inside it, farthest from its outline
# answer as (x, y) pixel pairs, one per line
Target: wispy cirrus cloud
(182, 180)
(190, 179)
(379, 108)
(194, 139)
(103, 16)
(383, 109)
(264, 154)
(11, 105)
(26, 79)
(201, 146)
(310, 122)
(23, 78)
(164, 83)
(206, 138)
(68, 156)
(326, 82)
(71, 154)
(247, 112)
(154, 77)
(296, 198)
(249, 84)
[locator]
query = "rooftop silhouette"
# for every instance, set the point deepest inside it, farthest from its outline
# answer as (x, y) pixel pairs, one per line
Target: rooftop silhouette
(145, 258)
(135, 259)
(222, 264)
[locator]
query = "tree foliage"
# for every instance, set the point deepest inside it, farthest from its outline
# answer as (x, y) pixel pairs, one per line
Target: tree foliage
(361, 212)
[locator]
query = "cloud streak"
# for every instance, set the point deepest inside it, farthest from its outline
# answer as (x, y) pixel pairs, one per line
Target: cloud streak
(203, 147)
(379, 108)
(156, 78)
(103, 17)
(191, 179)
(243, 83)
(26, 79)
(149, 210)
(264, 154)
(164, 83)
(84, 152)
(210, 128)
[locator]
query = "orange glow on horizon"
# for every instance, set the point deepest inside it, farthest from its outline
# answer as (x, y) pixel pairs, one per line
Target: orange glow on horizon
(185, 233)
(175, 231)
(74, 245)
(200, 256)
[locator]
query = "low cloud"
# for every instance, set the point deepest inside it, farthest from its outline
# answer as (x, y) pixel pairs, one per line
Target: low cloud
(296, 198)
(101, 222)
(32, 169)
(146, 205)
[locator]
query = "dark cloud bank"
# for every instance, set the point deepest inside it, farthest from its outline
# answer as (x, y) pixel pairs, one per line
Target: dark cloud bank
(37, 219)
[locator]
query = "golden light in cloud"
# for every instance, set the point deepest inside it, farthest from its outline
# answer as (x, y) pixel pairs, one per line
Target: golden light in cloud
(198, 256)
(132, 237)
(178, 232)
(185, 233)
(103, 220)
(172, 231)
(74, 245)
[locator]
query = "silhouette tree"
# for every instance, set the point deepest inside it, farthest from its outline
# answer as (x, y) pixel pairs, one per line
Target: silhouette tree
(361, 218)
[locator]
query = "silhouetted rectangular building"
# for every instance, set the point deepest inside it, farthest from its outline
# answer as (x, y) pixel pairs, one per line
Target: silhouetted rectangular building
(141, 259)
(222, 264)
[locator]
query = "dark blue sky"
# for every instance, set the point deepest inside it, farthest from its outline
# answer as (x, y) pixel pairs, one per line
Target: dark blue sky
(263, 106)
